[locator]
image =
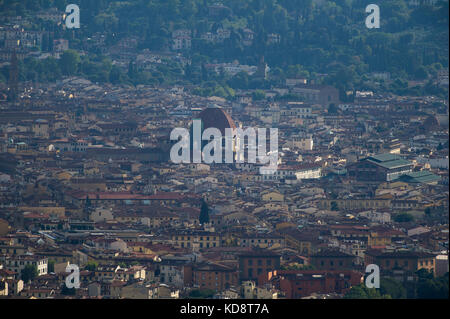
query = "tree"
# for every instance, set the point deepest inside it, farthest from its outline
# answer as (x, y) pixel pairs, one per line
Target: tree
(29, 272)
(403, 218)
(132, 72)
(362, 292)
(424, 274)
(115, 75)
(393, 288)
(51, 266)
(239, 81)
(258, 95)
(91, 266)
(297, 266)
(421, 73)
(201, 293)
(204, 213)
(334, 206)
(332, 109)
(67, 291)
(432, 288)
(69, 62)
(204, 73)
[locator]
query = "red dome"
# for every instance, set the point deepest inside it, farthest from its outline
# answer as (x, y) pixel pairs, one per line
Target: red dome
(216, 117)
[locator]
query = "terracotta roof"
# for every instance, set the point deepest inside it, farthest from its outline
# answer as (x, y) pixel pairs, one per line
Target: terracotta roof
(400, 254)
(126, 196)
(216, 117)
(259, 253)
(332, 253)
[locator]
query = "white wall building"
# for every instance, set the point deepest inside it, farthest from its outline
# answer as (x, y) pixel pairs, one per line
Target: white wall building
(377, 217)
(18, 263)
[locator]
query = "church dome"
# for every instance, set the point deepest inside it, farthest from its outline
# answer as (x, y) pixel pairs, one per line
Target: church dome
(216, 117)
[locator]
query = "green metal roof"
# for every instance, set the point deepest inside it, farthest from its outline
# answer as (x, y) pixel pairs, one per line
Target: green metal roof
(394, 163)
(388, 160)
(384, 157)
(420, 177)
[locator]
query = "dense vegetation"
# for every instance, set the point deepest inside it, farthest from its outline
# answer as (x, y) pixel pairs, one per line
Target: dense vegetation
(317, 37)
(29, 272)
(427, 286)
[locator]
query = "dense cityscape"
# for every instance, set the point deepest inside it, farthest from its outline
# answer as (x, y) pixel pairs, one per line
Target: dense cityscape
(94, 206)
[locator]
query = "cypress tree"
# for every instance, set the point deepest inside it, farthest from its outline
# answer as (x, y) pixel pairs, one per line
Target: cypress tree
(204, 213)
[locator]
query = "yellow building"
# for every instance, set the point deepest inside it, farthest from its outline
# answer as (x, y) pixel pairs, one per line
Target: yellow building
(196, 239)
(410, 261)
(64, 175)
(4, 227)
(350, 204)
(89, 184)
(141, 247)
(272, 197)
(378, 240)
(40, 128)
(261, 241)
(55, 211)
